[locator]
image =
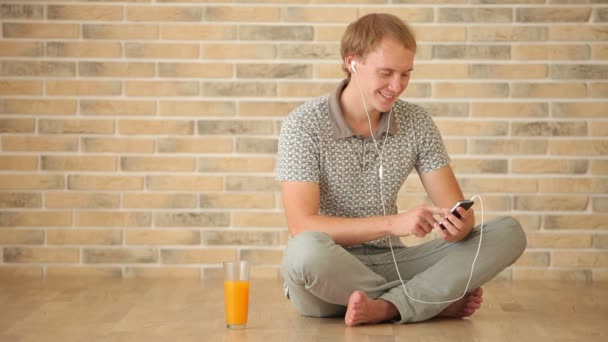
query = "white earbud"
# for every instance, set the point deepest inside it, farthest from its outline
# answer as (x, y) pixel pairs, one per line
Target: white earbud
(352, 66)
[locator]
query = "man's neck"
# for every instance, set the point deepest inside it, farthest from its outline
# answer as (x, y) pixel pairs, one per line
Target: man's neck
(353, 110)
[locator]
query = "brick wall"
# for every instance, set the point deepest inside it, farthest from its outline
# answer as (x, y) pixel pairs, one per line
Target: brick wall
(138, 138)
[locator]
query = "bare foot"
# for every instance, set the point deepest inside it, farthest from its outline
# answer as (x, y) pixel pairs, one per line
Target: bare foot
(362, 310)
(464, 307)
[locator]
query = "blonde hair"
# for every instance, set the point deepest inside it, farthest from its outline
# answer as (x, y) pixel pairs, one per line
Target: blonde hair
(363, 35)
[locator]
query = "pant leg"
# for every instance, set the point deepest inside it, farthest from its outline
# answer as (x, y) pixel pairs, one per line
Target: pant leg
(321, 275)
(439, 270)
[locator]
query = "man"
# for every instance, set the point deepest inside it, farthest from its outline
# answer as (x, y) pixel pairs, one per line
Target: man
(340, 182)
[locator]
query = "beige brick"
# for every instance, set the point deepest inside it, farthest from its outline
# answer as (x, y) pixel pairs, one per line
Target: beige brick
(272, 33)
(579, 147)
(164, 13)
(498, 185)
(551, 203)
(550, 52)
(37, 68)
(244, 89)
(600, 241)
(112, 219)
(553, 14)
(236, 164)
(274, 71)
(475, 15)
(36, 254)
(195, 70)
(579, 71)
(195, 145)
(116, 69)
(21, 49)
(163, 272)
(155, 127)
(333, 71)
(259, 219)
(443, 33)
(40, 30)
(509, 109)
(238, 200)
(479, 165)
(548, 128)
(119, 255)
(78, 271)
(161, 88)
(508, 146)
(599, 167)
(572, 222)
(599, 129)
(31, 182)
(158, 200)
(558, 240)
(446, 109)
(69, 199)
(84, 237)
(274, 108)
(197, 108)
(409, 15)
(599, 89)
(184, 183)
(232, 127)
(440, 71)
(20, 87)
(507, 33)
(10, 236)
(17, 125)
(239, 51)
(331, 33)
(306, 89)
(261, 256)
(600, 205)
(243, 13)
(257, 145)
(20, 200)
(450, 127)
(118, 145)
(506, 71)
(152, 164)
(417, 90)
(204, 32)
(84, 49)
(79, 163)
(555, 89)
(163, 237)
(192, 219)
(39, 143)
(579, 259)
(197, 256)
(550, 274)
(243, 238)
(58, 126)
(535, 165)
(97, 182)
(15, 11)
(22, 163)
(35, 218)
(599, 275)
(84, 13)
(578, 33)
(445, 89)
(533, 259)
(83, 88)
(312, 50)
(470, 51)
(319, 14)
(573, 185)
(162, 50)
(21, 272)
(120, 31)
(597, 51)
(117, 107)
(579, 109)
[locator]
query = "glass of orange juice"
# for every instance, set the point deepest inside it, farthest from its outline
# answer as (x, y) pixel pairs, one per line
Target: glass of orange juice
(236, 293)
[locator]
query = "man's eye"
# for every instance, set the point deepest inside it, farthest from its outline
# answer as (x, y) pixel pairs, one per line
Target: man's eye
(385, 73)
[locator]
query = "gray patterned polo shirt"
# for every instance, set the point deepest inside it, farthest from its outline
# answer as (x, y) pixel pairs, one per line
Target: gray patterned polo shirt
(317, 145)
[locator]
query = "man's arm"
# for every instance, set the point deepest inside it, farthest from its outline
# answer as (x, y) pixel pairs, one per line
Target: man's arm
(443, 188)
(301, 201)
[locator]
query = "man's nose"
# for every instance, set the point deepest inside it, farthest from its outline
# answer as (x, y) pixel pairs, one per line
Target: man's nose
(396, 84)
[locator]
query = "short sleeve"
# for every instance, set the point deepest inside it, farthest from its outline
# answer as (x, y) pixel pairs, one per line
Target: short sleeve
(432, 154)
(298, 156)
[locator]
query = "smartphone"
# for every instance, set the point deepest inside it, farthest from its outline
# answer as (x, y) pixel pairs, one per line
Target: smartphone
(466, 204)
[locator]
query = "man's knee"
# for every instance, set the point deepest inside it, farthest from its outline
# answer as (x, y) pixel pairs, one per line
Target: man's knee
(305, 252)
(508, 231)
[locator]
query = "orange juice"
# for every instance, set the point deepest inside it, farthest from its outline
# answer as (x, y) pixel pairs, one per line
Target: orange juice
(236, 299)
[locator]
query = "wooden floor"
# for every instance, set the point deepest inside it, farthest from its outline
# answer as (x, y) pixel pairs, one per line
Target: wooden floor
(190, 310)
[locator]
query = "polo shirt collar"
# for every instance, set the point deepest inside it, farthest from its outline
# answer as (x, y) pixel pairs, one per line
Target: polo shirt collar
(339, 126)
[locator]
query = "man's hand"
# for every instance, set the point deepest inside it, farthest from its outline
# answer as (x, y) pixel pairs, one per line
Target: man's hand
(456, 228)
(418, 221)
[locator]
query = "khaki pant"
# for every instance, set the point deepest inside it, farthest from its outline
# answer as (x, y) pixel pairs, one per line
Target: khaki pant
(320, 275)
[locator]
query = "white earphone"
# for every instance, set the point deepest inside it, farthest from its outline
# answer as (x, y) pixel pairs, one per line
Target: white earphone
(352, 66)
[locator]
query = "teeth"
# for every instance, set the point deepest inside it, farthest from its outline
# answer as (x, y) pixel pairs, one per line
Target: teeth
(388, 97)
